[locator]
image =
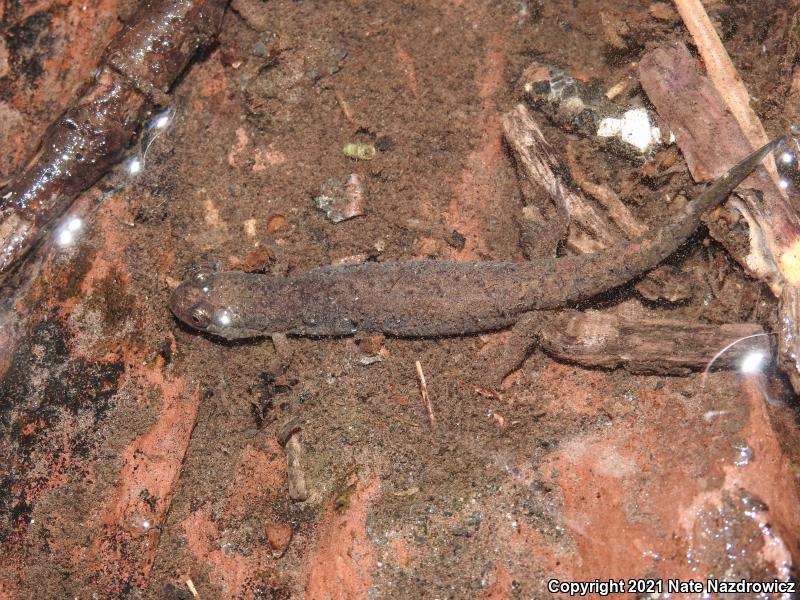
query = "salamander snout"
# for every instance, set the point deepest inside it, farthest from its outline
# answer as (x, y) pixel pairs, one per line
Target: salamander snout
(189, 301)
(201, 303)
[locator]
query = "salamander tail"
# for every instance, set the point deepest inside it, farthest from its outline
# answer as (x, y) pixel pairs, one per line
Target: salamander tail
(722, 187)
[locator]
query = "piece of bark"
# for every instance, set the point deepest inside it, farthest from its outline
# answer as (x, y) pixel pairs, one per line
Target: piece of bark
(649, 345)
(136, 71)
(706, 131)
(289, 438)
(722, 72)
(589, 231)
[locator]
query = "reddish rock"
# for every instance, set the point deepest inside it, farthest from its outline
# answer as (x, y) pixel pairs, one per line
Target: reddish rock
(278, 535)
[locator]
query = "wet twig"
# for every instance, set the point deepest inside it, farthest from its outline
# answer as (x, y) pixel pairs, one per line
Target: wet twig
(608, 199)
(710, 139)
(423, 390)
(289, 438)
(723, 74)
(135, 73)
(648, 345)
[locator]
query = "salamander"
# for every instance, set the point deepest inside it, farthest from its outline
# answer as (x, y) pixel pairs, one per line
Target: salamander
(430, 298)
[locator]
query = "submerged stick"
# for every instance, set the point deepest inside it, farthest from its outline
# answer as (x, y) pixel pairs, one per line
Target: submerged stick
(135, 73)
(710, 139)
(649, 345)
(722, 72)
(423, 390)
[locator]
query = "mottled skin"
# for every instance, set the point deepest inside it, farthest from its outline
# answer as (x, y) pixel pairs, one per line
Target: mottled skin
(430, 298)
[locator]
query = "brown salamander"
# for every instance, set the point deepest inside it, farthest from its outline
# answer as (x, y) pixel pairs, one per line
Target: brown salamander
(430, 298)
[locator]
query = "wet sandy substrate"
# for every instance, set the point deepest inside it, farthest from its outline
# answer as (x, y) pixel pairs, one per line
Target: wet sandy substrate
(139, 454)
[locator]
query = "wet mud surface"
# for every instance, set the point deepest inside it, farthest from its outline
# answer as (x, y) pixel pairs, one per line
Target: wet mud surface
(138, 454)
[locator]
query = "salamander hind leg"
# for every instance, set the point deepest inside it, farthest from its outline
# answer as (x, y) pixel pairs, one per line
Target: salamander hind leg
(495, 364)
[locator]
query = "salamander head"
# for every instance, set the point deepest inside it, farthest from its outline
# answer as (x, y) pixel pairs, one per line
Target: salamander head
(201, 303)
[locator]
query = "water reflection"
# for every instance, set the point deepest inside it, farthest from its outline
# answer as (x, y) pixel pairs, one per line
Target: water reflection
(154, 127)
(788, 168)
(67, 233)
(753, 361)
(135, 165)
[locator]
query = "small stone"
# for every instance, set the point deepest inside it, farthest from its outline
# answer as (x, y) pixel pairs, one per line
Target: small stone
(341, 199)
(372, 349)
(278, 535)
(260, 50)
(370, 359)
(257, 260)
(456, 240)
(371, 344)
(275, 223)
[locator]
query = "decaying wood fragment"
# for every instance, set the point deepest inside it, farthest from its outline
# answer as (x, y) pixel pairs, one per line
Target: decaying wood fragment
(589, 231)
(722, 73)
(289, 438)
(641, 344)
(648, 345)
(136, 72)
(711, 139)
(423, 390)
(608, 199)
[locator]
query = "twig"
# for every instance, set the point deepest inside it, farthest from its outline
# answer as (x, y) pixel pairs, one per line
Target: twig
(137, 69)
(346, 111)
(711, 139)
(649, 345)
(423, 389)
(723, 74)
(192, 589)
(290, 440)
(607, 197)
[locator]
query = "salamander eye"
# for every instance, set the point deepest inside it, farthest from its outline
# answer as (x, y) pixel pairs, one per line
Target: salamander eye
(200, 317)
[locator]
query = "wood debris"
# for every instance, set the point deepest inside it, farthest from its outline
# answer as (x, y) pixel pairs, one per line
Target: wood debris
(136, 71)
(423, 390)
(589, 231)
(648, 345)
(608, 199)
(712, 139)
(289, 438)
